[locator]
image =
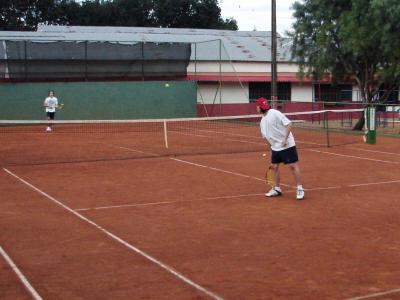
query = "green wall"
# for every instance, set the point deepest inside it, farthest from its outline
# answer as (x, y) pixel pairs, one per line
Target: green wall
(100, 100)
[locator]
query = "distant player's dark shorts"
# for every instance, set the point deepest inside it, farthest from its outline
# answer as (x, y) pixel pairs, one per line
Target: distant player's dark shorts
(50, 115)
(287, 156)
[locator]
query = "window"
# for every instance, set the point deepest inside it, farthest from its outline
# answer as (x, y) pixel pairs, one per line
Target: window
(263, 89)
(333, 93)
(393, 98)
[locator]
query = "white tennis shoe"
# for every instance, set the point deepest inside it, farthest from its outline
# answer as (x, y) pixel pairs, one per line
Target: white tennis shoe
(48, 129)
(274, 192)
(300, 194)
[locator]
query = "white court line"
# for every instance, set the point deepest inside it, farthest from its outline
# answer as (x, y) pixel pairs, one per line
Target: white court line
(394, 291)
(374, 183)
(230, 197)
(166, 202)
(189, 134)
(374, 151)
(324, 188)
(352, 185)
(242, 135)
(227, 139)
(310, 143)
(224, 171)
(21, 276)
(228, 133)
(291, 186)
(202, 166)
(247, 142)
(118, 239)
(133, 150)
(357, 157)
(254, 137)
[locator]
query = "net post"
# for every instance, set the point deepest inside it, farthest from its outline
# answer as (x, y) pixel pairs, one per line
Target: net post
(341, 119)
(195, 59)
(165, 134)
(220, 77)
(86, 60)
(326, 119)
(393, 110)
(25, 60)
(142, 60)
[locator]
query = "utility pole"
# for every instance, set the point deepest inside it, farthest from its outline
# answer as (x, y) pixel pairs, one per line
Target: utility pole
(274, 84)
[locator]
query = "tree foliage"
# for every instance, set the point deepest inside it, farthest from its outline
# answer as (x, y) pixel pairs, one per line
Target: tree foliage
(352, 40)
(26, 15)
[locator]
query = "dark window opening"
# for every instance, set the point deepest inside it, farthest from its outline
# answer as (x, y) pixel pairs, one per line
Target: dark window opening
(392, 98)
(263, 89)
(333, 93)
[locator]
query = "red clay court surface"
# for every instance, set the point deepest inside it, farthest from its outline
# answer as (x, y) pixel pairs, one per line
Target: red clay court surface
(199, 227)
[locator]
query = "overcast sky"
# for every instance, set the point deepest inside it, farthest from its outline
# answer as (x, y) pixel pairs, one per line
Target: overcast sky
(251, 14)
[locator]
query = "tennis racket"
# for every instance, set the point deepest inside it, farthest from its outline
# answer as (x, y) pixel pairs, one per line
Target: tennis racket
(269, 174)
(269, 177)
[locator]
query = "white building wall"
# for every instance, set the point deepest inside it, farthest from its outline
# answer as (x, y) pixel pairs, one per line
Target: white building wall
(356, 94)
(302, 92)
(208, 93)
(233, 92)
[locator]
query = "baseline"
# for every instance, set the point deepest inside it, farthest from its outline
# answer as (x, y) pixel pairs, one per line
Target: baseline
(121, 241)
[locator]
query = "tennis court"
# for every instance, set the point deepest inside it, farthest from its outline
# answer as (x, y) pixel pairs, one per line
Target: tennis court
(173, 211)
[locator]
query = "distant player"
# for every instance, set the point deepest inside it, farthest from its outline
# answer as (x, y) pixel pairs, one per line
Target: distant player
(275, 128)
(50, 104)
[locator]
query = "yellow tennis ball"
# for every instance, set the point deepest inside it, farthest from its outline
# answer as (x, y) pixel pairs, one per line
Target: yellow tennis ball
(264, 154)
(167, 85)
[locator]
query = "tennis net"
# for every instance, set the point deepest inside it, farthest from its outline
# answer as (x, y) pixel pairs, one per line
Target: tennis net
(29, 142)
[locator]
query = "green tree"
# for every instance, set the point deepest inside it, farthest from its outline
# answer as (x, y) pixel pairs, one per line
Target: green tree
(229, 24)
(95, 13)
(67, 13)
(191, 14)
(352, 40)
(13, 14)
(135, 13)
(26, 15)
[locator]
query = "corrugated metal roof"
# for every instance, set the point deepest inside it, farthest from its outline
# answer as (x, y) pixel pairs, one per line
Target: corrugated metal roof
(235, 45)
(148, 30)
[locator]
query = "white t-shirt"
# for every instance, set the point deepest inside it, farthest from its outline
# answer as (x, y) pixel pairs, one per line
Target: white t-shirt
(273, 129)
(51, 103)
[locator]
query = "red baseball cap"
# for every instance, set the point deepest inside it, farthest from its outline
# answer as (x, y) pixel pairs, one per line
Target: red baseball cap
(262, 103)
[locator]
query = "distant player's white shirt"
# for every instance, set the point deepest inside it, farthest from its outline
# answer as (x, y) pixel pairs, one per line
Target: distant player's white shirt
(273, 129)
(51, 103)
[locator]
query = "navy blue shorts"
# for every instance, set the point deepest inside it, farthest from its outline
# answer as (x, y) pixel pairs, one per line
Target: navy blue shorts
(50, 115)
(287, 156)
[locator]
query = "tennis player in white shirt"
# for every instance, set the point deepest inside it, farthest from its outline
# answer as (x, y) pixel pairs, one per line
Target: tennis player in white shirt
(50, 104)
(276, 129)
